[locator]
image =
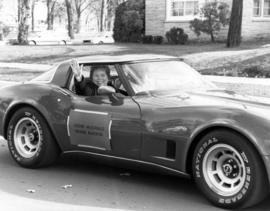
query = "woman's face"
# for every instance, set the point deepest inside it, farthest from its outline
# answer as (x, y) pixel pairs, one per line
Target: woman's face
(100, 78)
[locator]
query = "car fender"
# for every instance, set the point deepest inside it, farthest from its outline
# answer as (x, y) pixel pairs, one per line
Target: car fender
(16, 104)
(257, 143)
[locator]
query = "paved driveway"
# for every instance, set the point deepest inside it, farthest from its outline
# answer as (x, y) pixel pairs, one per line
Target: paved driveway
(95, 187)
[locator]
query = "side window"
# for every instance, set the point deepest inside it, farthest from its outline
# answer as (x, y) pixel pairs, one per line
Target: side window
(88, 69)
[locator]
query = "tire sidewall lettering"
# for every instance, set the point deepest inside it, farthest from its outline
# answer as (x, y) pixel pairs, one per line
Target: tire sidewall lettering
(199, 175)
(10, 137)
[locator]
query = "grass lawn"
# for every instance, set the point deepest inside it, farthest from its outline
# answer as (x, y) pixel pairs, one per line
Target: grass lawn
(208, 58)
(13, 74)
(52, 54)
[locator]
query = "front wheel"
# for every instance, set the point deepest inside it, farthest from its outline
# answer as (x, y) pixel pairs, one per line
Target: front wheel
(229, 171)
(30, 140)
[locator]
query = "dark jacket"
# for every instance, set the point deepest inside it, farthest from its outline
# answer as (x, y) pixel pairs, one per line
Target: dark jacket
(86, 87)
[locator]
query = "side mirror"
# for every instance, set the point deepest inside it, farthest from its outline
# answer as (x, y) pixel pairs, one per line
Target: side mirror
(106, 90)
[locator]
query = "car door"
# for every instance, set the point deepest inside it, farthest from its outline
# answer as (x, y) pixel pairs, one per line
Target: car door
(99, 124)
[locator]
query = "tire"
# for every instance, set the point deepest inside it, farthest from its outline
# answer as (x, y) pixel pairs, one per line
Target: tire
(30, 140)
(63, 42)
(32, 42)
(228, 170)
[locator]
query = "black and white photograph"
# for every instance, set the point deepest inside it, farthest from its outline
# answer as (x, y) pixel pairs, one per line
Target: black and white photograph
(134, 105)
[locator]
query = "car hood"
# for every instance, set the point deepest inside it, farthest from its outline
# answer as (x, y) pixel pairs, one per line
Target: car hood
(8, 83)
(212, 98)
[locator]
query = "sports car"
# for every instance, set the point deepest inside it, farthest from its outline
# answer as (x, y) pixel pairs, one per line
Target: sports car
(166, 117)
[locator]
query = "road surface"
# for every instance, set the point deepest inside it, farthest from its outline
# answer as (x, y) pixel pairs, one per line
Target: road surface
(95, 186)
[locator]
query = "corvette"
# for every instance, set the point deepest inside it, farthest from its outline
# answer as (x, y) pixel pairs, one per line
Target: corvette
(166, 116)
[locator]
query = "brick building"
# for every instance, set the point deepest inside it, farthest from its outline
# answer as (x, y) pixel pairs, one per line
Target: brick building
(161, 15)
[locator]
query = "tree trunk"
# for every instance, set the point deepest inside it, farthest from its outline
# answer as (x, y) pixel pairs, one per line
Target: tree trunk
(50, 14)
(49, 23)
(19, 10)
(212, 37)
(235, 30)
(102, 16)
(70, 19)
(24, 15)
(78, 23)
(49, 27)
(33, 14)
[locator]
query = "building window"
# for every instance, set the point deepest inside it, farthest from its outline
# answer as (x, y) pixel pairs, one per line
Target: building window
(182, 9)
(257, 8)
(261, 8)
(266, 8)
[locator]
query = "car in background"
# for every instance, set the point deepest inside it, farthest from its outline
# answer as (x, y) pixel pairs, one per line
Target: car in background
(12, 38)
(103, 39)
(48, 37)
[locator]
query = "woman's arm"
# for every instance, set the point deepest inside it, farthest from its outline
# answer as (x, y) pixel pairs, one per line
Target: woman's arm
(76, 69)
(79, 81)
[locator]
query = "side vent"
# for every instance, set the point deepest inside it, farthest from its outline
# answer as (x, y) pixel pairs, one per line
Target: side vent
(171, 149)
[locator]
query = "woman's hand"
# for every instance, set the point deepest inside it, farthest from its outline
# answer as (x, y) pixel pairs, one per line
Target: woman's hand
(76, 69)
(106, 90)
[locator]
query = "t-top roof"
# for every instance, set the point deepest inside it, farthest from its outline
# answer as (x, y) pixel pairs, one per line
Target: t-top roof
(123, 58)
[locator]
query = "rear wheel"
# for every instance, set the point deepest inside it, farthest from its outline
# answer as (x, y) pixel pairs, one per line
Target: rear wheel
(32, 42)
(30, 140)
(63, 42)
(229, 171)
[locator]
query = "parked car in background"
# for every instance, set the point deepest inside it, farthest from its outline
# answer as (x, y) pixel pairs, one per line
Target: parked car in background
(48, 37)
(12, 38)
(103, 39)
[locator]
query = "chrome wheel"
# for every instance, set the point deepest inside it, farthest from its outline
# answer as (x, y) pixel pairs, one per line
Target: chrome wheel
(27, 137)
(224, 170)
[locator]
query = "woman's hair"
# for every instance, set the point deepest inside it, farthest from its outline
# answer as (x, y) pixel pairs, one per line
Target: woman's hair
(100, 67)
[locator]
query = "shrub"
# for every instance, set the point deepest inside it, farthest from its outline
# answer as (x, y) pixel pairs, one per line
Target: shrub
(158, 40)
(176, 36)
(148, 39)
(214, 15)
(129, 25)
(255, 72)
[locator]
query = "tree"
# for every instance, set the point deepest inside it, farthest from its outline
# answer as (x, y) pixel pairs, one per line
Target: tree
(235, 29)
(70, 18)
(24, 20)
(110, 13)
(33, 14)
(95, 9)
(129, 25)
(102, 15)
(60, 11)
(80, 7)
(214, 15)
(1, 25)
(50, 13)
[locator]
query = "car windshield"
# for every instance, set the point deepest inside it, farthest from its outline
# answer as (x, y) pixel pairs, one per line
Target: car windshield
(163, 76)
